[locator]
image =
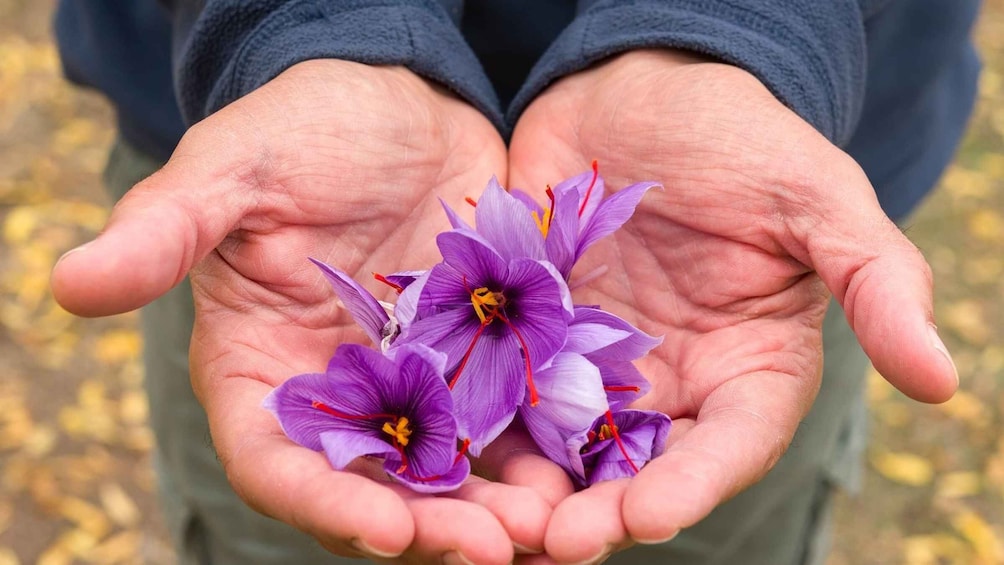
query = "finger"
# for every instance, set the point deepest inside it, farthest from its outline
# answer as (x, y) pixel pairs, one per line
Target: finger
(456, 532)
(587, 526)
(885, 287)
(521, 510)
(346, 512)
(163, 226)
(514, 459)
(742, 429)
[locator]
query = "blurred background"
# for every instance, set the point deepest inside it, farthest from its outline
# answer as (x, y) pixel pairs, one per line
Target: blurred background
(76, 484)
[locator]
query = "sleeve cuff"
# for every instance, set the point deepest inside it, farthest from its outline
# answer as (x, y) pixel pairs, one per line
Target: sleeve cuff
(809, 54)
(418, 35)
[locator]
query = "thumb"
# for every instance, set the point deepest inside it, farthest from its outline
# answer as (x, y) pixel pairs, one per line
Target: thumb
(885, 287)
(156, 233)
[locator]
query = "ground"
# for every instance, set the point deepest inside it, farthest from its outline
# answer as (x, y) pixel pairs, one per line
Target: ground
(76, 484)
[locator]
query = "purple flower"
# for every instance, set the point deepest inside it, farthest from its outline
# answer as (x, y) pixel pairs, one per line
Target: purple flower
(618, 445)
(396, 408)
(577, 217)
(498, 320)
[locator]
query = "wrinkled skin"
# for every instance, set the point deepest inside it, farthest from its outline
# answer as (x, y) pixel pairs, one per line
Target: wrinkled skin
(343, 162)
(332, 160)
(733, 262)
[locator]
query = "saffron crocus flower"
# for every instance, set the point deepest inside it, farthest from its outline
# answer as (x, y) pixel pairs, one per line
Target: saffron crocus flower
(497, 320)
(578, 215)
(618, 445)
(395, 408)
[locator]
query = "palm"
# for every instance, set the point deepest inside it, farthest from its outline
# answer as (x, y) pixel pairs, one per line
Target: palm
(721, 262)
(331, 160)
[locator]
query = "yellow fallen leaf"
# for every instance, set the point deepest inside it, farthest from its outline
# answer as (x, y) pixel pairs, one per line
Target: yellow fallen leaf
(965, 183)
(40, 442)
(934, 549)
(903, 468)
(119, 505)
(118, 346)
(86, 516)
(987, 224)
(980, 535)
(55, 555)
(133, 408)
(959, 485)
(19, 224)
(77, 542)
(118, 548)
(967, 407)
(965, 318)
(879, 389)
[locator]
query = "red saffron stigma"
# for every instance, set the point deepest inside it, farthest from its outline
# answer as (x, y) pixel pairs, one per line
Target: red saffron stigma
(550, 197)
(389, 283)
(463, 450)
(534, 398)
(467, 354)
(331, 411)
(404, 458)
(470, 201)
(620, 444)
(592, 183)
(619, 388)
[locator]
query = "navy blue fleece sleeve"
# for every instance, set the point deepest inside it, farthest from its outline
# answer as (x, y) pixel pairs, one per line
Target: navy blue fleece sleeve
(227, 48)
(810, 54)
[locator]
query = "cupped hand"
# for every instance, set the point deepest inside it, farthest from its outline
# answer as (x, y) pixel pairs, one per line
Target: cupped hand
(760, 219)
(343, 163)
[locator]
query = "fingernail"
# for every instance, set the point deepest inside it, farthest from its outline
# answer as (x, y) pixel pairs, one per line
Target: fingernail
(362, 546)
(599, 557)
(71, 252)
(522, 549)
(940, 346)
(657, 541)
(455, 558)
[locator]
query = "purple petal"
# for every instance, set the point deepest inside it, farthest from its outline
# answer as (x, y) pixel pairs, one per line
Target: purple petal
(455, 220)
(365, 309)
(586, 199)
(527, 200)
(563, 234)
(636, 345)
(489, 389)
(472, 257)
(344, 446)
(584, 337)
(293, 403)
(406, 308)
(445, 482)
(507, 225)
(404, 279)
(610, 215)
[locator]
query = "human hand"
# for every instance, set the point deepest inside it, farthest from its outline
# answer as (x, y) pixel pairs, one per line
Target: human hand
(332, 160)
(760, 219)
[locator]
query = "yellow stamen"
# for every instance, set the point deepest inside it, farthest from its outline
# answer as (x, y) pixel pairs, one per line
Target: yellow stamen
(605, 432)
(399, 432)
(543, 224)
(482, 297)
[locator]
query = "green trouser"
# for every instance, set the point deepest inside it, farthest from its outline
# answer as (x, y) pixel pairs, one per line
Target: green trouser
(782, 520)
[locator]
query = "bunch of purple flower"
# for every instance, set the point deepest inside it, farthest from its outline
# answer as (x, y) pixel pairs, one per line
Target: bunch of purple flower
(486, 336)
